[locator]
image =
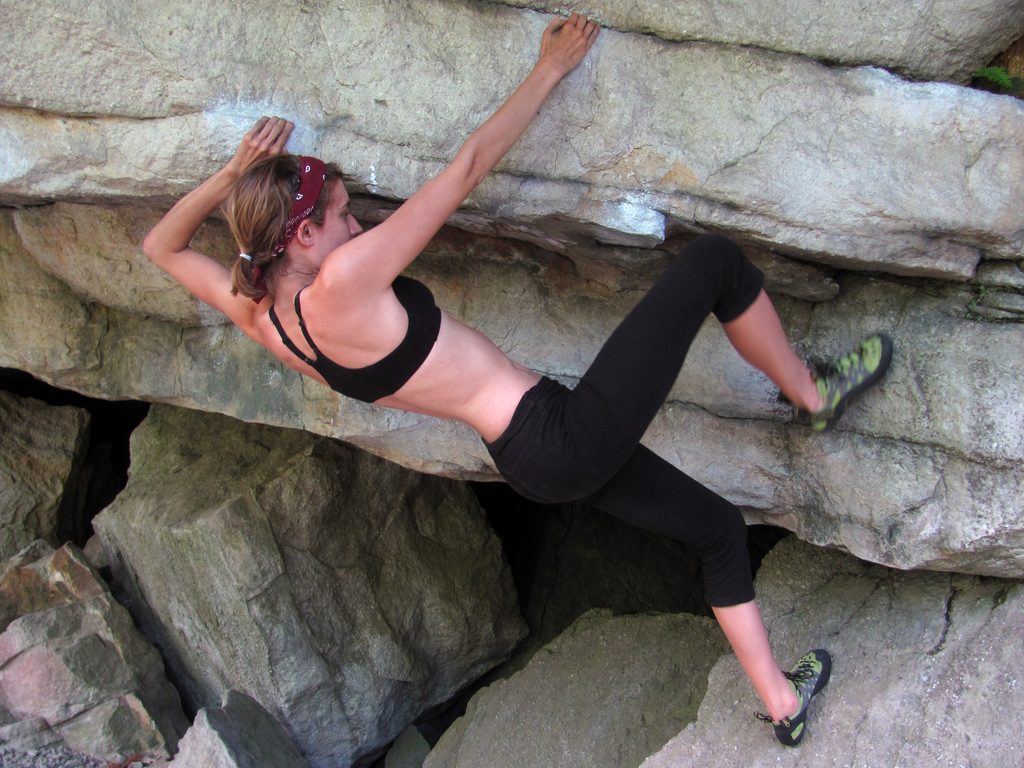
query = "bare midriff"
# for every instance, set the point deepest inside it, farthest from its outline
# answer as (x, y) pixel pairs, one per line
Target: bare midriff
(465, 377)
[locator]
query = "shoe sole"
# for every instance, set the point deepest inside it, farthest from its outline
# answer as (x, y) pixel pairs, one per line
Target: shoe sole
(883, 366)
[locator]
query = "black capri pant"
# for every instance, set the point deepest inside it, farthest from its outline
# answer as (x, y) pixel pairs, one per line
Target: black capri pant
(583, 444)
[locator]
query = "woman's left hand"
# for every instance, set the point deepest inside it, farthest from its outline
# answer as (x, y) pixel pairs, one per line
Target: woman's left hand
(267, 138)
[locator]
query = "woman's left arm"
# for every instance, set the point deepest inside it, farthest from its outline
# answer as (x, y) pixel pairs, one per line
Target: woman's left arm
(168, 244)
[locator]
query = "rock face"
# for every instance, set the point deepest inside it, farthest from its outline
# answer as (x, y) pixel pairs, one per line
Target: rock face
(940, 441)
(347, 597)
(848, 166)
(238, 734)
(651, 140)
(944, 40)
(604, 693)
(74, 670)
(344, 594)
(41, 451)
(926, 666)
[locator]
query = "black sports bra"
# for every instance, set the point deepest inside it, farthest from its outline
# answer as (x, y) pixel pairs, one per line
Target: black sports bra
(388, 375)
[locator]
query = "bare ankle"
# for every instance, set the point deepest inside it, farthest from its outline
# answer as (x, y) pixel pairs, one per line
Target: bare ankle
(786, 705)
(807, 397)
(815, 402)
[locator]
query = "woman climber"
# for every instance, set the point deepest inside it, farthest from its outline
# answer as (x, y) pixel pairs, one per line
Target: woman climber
(329, 300)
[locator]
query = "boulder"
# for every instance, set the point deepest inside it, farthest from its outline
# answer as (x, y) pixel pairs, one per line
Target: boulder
(926, 669)
(849, 169)
(42, 449)
(852, 167)
(606, 692)
(74, 670)
(238, 734)
(924, 472)
(946, 40)
(344, 594)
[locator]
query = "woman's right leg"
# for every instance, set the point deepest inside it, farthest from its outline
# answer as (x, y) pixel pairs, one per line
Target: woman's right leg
(563, 445)
(631, 376)
(758, 336)
(599, 425)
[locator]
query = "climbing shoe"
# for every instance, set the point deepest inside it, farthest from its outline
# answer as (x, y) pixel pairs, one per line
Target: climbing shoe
(850, 375)
(808, 677)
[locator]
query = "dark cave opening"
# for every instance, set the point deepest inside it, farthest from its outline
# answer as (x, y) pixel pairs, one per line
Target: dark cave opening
(104, 469)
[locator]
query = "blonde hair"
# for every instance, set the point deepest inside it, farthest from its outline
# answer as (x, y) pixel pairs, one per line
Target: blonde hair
(257, 209)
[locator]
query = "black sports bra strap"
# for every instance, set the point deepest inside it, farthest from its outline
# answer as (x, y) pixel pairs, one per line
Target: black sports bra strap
(302, 327)
(285, 338)
(389, 374)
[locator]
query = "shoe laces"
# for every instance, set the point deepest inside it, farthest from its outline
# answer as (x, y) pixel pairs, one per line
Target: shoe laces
(803, 672)
(843, 365)
(784, 722)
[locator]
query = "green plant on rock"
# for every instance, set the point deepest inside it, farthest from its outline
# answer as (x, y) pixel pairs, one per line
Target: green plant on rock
(998, 80)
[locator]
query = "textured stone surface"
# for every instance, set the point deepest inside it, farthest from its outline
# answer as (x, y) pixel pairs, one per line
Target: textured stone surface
(926, 670)
(238, 734)
(923, 472)
(409, 750)
(927, 40)
(74, 670)
(41, 452)
(605, 692)
(97, 252)
(851, 167)
(649, 140)
(345, 594)
(50, 757)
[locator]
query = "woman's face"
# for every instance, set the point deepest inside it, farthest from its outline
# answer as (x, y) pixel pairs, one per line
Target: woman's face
(339, 224)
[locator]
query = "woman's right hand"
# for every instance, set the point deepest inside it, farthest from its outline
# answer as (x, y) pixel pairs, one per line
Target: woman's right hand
(370, 262)
(566, 42)
(267, 138)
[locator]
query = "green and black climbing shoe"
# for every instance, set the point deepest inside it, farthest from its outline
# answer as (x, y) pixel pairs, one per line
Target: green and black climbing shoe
(850, 375)
(808, 677)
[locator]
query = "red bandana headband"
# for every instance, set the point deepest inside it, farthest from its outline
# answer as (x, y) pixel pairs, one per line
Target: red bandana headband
(313, 174)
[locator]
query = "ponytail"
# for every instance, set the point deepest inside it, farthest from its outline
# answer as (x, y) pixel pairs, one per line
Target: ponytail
(257, 209)
(247, 278)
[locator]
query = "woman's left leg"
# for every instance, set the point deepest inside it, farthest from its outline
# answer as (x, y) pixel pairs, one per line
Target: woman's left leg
(650, 493)
(744, 629)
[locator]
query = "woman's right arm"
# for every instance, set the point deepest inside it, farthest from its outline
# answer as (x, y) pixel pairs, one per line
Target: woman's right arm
(375, 258)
